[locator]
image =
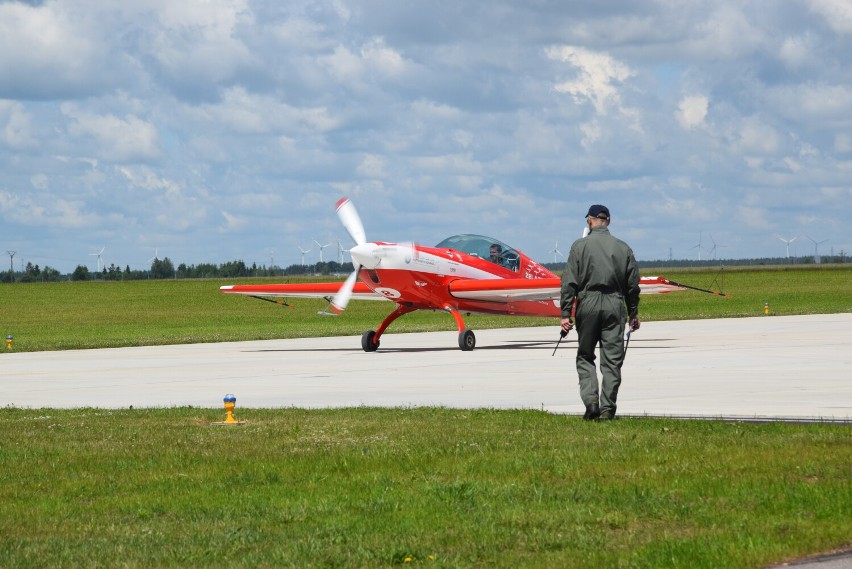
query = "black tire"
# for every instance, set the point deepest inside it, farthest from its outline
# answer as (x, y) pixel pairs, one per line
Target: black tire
(367, 341)
(467, 340)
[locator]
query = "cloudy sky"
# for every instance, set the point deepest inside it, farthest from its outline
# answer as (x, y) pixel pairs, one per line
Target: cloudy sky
(215, 130)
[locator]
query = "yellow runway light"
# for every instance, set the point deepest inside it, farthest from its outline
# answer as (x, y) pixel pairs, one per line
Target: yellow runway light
(230, 403)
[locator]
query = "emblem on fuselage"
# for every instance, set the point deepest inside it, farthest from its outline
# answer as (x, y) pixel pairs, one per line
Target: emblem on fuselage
(388, 292)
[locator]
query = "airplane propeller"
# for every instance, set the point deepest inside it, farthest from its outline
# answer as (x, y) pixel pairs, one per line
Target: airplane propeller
(364, 254)
(350, 219)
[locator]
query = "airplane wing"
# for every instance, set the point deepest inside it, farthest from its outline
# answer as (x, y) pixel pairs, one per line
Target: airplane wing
(505, 290)
(302, 290)
(492, 290)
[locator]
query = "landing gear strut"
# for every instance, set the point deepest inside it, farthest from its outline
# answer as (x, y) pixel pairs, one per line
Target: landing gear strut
(370, 338)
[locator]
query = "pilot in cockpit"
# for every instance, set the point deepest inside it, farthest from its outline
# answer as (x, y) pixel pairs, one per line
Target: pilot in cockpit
(495, 254)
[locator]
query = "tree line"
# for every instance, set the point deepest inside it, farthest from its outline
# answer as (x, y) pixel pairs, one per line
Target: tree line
(165, 269)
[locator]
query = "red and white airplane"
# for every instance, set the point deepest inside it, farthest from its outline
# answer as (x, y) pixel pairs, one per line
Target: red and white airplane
(461, 274)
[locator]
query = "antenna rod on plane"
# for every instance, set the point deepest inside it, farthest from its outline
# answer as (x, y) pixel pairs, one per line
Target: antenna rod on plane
(717, 293)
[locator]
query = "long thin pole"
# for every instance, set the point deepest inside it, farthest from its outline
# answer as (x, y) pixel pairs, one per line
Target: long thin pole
(667, 281)
(562, 334)
(12, 265)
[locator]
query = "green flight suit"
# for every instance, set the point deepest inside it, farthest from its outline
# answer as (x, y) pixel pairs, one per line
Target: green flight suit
(602, 274)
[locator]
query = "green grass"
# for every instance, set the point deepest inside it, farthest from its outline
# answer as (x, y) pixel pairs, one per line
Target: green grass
(73, 315)
(443, 488)
(818, 289)
(387, 487)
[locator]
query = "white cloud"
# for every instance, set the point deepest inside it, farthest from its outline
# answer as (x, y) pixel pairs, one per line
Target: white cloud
(753, 217)
(118, 139)
(758, 138)
(728, 32)
(797, 52)
(691, 111)
(234, 222)
(383, 58)
(167, 201)
(301, 34)
(837, 14)
(843, 143)
(17, 132)
(495, 204)
(367, 65)
(144, 178)
(250, 113)
(814, 102)
(792, 164)
(196, 41)
(40, 181)
(51, 211)
(591, 132)
(372, 166)
(458, 164)
(429, 110)
(46, 49)
(598, 77)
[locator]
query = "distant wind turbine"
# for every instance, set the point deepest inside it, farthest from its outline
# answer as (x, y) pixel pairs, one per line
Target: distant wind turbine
(714, 248)
(98, 255)
(816, 249)
(699, 247)
(712, 252)
(303, 251)
(12, 264)
(321, 247)
(788, 241)
(340, 252)
(556, 251)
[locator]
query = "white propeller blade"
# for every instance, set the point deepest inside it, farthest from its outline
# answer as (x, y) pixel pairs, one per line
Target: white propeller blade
(341, 299)
(351, 220)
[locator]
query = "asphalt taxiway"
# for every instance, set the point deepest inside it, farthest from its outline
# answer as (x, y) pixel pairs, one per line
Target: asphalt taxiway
(766, 368)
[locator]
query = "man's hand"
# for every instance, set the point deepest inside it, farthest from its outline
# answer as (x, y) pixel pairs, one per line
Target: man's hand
(567, 324)
(634, 323)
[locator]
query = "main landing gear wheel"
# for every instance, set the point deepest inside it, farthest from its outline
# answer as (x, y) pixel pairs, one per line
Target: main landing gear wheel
(467, 340)
(367, 341)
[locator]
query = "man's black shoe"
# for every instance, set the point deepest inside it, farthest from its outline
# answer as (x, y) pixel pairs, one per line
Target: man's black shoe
(607, 416)
(593, 411)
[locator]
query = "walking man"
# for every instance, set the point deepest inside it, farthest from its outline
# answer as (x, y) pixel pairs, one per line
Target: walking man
(602, 276)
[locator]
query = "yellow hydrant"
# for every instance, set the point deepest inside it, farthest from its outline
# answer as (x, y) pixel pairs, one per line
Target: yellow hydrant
(9, 339)
(230, 402)
(766, 308)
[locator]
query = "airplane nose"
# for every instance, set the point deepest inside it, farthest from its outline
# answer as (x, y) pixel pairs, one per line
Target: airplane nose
(366, 255)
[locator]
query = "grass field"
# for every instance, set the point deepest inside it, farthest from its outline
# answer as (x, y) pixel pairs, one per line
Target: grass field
(73, 315)
(430, 487)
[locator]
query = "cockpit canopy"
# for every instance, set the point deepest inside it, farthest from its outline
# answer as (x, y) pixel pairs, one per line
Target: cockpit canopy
(488, 248)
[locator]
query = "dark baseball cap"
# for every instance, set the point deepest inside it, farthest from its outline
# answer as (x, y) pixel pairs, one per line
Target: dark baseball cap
(596, 211)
